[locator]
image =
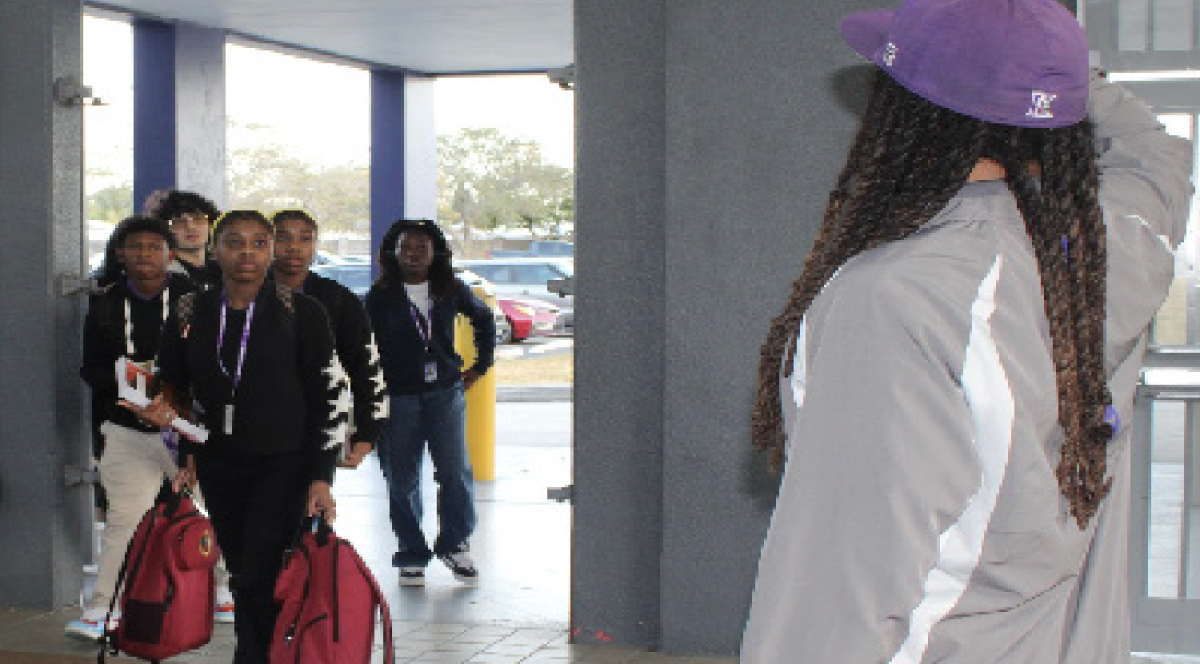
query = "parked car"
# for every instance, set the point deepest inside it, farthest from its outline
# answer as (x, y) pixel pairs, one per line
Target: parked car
(537, 249)
(481, 286)
(323, 258)
(355, 276)
(528, 318)
(528, 278)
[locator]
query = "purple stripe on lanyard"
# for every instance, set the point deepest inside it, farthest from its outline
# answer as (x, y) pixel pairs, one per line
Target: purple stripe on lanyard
(237, 376)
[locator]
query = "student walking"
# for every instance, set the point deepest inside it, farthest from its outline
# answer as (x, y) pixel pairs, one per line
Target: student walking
(295, 246)
(413, 307)
(960, 353)
(190, 216)
(125, 320)
(259, 361)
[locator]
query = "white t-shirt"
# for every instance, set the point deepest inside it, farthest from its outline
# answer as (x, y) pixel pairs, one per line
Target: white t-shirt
(418, 294)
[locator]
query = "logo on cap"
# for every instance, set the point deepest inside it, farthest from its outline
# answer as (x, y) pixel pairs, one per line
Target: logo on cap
(1040, 107)
(889, 54)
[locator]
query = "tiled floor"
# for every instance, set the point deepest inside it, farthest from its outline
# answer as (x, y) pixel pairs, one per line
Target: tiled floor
(518, 613)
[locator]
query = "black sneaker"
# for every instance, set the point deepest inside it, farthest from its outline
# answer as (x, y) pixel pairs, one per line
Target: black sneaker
(412, 576)
(460, 563)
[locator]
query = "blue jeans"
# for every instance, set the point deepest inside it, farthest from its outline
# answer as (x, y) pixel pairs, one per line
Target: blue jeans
(436, 417)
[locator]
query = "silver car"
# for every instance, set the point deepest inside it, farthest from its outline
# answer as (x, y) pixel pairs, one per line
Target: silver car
(528, 278)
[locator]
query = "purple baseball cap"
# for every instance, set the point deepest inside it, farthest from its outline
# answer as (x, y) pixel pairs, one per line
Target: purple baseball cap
(1012, 62)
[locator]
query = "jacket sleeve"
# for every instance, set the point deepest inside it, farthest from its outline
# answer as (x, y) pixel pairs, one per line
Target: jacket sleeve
(483, 324)
(1145, 191)
(880, 464)
(98, 364)
(326, 393)
(360, 358)
(98, 368)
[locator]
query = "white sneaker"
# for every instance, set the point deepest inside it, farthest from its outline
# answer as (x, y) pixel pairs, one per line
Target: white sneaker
(412, 576)
(461, 564)
(223, 606)
(90, 625)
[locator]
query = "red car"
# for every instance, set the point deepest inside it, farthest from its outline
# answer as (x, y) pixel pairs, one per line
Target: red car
(528, 318)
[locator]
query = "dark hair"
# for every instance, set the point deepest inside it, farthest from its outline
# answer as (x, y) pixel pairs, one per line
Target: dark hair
(132, 225)
(224, 220)
(441, 272)
(111, 268)
(293, 215)
(909, 159)
(175, 203)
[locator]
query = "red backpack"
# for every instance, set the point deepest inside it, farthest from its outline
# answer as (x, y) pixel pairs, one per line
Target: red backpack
(327, 600)
(167, 601)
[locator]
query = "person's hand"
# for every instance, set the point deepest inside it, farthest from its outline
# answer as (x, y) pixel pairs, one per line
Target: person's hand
(186, 476)
(358, 451)
(157, 413)
(321, 500)
(469, 377)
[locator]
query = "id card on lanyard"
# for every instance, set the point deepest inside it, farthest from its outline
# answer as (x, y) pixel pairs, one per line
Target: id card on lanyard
(422, 324)
(236, 378)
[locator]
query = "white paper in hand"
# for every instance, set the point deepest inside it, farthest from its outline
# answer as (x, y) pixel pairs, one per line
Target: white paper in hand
(131, 386)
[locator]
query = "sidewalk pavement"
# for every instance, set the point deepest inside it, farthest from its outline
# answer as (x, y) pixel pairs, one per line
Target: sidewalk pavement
(546, 393)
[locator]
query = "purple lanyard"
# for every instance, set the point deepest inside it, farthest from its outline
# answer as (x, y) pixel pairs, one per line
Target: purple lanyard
(421, 322)
(237, 377)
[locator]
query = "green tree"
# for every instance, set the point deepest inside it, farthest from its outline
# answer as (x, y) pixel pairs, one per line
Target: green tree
(111, 204)
(487, 180)
(265, 177)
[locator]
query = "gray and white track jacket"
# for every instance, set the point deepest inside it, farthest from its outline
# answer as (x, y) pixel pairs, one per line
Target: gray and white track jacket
(919, 518)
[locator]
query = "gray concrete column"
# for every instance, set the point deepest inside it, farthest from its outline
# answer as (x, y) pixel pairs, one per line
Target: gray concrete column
(179, 113)
(709, 135)
(45, 526)
(200, 120)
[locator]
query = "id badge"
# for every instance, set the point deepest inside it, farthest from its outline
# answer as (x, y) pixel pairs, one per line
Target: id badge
(430, 372)
(229, 419)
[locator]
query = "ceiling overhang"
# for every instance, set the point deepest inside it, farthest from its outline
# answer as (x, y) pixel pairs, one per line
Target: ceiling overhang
(437, 37)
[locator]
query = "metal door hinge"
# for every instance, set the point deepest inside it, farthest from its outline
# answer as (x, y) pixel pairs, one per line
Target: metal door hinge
(562, 494)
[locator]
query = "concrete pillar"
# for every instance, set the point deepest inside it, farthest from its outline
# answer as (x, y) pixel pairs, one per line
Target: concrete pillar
(709, 135)
(403, 151)
(179, 110)
(45, 524)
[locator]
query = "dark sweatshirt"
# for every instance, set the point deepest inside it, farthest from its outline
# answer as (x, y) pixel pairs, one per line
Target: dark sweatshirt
(292, 394)
(355, 343)
(402, 349)
(105, 339)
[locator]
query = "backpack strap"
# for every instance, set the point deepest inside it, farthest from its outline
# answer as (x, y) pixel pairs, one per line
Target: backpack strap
(385, 615)
(184, 307)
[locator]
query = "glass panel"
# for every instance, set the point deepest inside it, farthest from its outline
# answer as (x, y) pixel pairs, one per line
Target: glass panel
(1172, 25)
(108, 131)
(1132, 25)
(299, 137)
(1167, 422)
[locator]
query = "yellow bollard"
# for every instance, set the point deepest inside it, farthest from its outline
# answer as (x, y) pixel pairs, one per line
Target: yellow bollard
(481, 399)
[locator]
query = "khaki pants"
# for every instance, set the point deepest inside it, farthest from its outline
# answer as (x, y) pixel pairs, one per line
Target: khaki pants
(132, 470)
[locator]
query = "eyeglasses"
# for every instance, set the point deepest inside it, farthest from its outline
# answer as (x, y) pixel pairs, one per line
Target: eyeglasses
(191, 216)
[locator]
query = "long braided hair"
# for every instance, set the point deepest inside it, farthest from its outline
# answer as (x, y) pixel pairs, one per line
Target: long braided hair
(909, 159)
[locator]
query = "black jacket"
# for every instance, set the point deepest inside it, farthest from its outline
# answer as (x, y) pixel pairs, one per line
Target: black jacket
(206, 277)
(355, 343)
(291, 397)
(104, 340)
(400, 345)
